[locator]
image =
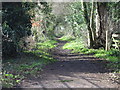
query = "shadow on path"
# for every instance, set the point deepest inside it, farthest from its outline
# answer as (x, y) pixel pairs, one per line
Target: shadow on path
(72, 71)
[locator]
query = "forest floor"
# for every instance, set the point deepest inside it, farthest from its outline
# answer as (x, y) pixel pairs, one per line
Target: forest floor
(72, 71)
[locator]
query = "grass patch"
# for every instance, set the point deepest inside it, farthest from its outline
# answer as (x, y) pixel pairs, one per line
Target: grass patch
(74, 45)
(113, 55)
(47, 44)
(66, 38)
(30, 63)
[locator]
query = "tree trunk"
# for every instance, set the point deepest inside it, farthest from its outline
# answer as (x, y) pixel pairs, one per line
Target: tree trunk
(101, 27)
(92, 22)
(87, 20)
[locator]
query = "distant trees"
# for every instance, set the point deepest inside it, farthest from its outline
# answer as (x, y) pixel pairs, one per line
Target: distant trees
(22, 19)
(44, 22)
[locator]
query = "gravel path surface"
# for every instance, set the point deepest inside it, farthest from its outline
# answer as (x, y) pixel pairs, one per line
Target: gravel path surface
(72, 71)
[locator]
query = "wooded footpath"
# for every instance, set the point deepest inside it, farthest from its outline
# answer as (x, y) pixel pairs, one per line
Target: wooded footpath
(30, 30)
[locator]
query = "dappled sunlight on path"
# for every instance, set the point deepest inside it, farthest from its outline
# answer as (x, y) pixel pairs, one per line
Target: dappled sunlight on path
(72, 71)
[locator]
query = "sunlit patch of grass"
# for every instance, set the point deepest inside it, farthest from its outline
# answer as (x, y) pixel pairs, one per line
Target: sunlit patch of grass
(47, 44)
(90, 51)
(67, 38)
(73, 45)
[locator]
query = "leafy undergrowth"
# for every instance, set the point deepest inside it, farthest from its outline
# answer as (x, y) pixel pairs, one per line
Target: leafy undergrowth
(47, 44)
(29, 64)
(74, 45)
(113, 55)
(67, 38)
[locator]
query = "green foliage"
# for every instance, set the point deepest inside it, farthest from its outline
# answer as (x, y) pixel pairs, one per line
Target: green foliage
(30, 63)
(46, 44)
(46, 19)
(91, 51)
(16, 24)
(74, 45)
(67, 38)
(47, 9)
(10, 80)
(114, 11)
(31, 69)
(76, 20)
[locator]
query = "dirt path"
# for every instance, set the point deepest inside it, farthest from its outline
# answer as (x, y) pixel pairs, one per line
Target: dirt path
(72, 71)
